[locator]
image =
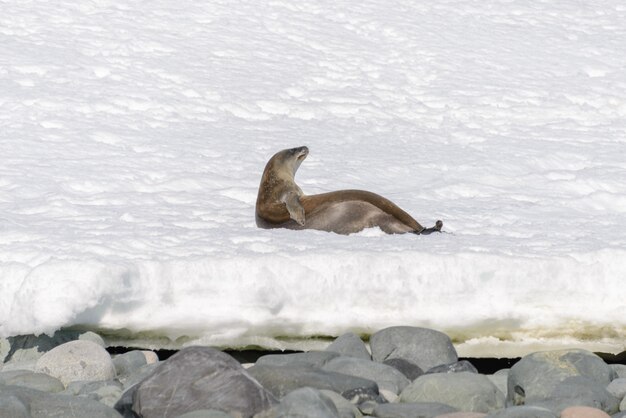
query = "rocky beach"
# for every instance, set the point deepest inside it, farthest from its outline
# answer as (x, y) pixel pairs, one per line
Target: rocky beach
(401, 372)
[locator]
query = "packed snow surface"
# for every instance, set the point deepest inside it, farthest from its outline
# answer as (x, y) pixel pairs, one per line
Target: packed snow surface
(133, 136)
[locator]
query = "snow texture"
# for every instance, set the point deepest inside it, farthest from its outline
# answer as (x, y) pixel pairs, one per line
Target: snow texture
(133, 136)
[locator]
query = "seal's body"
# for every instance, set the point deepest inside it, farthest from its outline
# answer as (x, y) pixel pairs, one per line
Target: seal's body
(282, 204)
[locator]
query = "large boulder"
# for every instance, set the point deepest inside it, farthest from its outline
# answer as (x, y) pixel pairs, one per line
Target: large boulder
(536, 375)
(280, 380)
(199, 378)
(77, 360)
(29, 348)
(424, 347)
(387, 377)
(350, 345)
(464, 391)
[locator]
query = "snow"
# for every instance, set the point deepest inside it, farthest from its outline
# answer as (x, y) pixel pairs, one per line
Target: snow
(133, 137)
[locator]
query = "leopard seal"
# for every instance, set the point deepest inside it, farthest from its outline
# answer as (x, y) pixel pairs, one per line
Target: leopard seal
(282, 204)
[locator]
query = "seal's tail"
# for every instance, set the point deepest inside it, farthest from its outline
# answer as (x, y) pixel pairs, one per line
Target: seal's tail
(436, 228)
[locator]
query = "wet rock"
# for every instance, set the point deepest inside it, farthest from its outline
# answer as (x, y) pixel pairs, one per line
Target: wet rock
(44, 405)
(315, 359)
(536, 375)
(583, 412)
(77, 360)
(411, 370)
(523, 412)
(280, 380)
(204, 378)
(424, 347)
(412, 410)
(350, 345)
(456, 367)
(387, 377)
(464, 391)
(28, 379)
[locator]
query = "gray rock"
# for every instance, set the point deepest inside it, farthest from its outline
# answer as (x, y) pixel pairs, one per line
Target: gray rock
(44, 405)
(584, 392)
(28, 379)
(456, 367)
(280, 380)
(523, 412)
(619, 415)
(205, 413)
(504, 372)
(424, 347)
(465, 391)
(536, 375)
(106, 392)
(344, 407)
(77, 360)
(12, 407)
(411, 370)
(500, 380)
(622, 405)
(28, 348)
(315, 359)
(305, 403)
(617, 388)
(199, 378)
(138, 375)
(350, 345)
(412, 410)
(619, 370)
(128, 363)
(387, 377)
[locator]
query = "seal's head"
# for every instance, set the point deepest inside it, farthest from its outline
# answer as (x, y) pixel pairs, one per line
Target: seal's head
(289, 160)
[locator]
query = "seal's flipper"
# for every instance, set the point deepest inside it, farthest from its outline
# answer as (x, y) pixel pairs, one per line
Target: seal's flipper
(295, 208)
(436, 228)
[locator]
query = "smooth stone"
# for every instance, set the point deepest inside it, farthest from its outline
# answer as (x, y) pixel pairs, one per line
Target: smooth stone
(44, 405)
(523, 412)
(205, 413)
(199, 378)
(464, 391)
(500, 380)
(412, 410)
(127, 363)
(583, 412)
(386, 377)
(280, 380)
(351, 345)
(617, 387)
(12, 407)
(462, 415)
(456, 367)
(619, 370)
(315, 359)
(536, 375)
(29, 348)
(107, 392)
(344, 407)
(77, 360)
(28, 379)
(503, 372)
(151, 356)
(424, 347)
(586, 392)
(305, 403)
(410, 370)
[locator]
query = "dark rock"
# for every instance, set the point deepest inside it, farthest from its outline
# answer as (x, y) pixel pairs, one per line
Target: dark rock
(411, 370)
(305, 403)
(350, 345)
(523, 412)
(28, 379)
(424, 347)
(412, 410)
(387, 377)
(128, 363)
(456, 367)
(581, 391)
(199, 378)
(465, 391)
(125, 404)
(44, 405)
(280, 380)
(536, 375)
(315, 359)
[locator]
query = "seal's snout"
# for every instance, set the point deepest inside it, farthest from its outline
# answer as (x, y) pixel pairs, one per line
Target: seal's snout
(302, 153)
